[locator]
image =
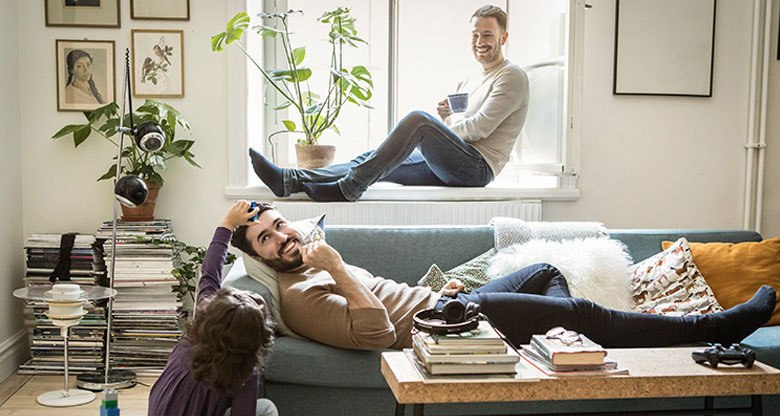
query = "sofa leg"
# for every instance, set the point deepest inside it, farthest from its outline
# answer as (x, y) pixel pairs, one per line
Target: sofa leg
(757, 408)
(399, 409)
(709, 404)
(419, 409)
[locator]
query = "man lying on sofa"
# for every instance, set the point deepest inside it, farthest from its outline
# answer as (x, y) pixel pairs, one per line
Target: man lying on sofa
(341, 305)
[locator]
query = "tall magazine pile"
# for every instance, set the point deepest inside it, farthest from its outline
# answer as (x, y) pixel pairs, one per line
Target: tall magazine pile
(480, 351)
(146, 316)
(86, 341)
(576, 356)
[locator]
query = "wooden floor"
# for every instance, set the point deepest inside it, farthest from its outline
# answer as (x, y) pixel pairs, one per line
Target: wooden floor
(18, 393)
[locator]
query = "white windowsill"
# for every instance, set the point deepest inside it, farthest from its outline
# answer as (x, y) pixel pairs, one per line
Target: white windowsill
(392, 192)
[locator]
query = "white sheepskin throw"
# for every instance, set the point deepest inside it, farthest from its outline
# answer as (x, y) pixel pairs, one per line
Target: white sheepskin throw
(596, 269)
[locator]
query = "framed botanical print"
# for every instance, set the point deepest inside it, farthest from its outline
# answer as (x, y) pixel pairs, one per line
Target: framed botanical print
(158, 63)
(160, 10)
(82, 13)
(85, 74)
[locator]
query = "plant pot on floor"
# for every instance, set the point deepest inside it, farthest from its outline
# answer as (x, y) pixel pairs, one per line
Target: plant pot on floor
(145, 211)
(315, 156)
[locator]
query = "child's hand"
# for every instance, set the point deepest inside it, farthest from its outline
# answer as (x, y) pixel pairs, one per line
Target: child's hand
(238, 214)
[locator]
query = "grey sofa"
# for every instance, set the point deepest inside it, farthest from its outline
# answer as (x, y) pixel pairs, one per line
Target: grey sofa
(307, 378)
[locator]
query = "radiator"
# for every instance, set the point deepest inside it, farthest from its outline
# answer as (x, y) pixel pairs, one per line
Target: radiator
(412, 213)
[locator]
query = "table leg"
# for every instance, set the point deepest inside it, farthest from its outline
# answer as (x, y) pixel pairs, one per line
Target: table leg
(757, 408)
(399, 409)
(419, 409)
(709, 404)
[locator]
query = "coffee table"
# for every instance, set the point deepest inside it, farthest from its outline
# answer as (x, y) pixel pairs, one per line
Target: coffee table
(653, 373)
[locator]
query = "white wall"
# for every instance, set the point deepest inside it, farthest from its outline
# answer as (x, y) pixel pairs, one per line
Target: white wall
(11, 254)
(771, 210)
(665, 161)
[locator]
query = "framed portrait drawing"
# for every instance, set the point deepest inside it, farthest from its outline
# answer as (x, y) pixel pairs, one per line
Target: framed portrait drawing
(85, 74)
(82, 13)
(158, 63)
(160, 10)
(664, 47)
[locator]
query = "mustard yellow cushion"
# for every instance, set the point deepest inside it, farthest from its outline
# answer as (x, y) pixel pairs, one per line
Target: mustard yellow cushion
(736, 271)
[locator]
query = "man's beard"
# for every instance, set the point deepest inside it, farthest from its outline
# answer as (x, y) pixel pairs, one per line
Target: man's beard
(495, 51)
(282, 265)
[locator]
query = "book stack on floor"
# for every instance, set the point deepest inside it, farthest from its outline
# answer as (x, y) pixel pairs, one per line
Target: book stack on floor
(86, 342)
(481, 351)
(577, 357)
(146, 315)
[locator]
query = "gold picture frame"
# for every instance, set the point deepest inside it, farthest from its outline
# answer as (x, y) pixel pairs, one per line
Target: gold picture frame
(82, 13)
(160, 10)
(85, 74)
(158, 63)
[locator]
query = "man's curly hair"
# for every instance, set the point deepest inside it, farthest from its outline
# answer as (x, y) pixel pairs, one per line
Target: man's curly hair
(231, 333)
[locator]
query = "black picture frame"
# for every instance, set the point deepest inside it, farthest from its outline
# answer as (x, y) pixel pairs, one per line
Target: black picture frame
(660, 40)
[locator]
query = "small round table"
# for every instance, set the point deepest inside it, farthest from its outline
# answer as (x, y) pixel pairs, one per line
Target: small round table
(66, 396)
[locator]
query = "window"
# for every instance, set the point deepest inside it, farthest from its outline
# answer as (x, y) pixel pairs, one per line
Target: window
(415, 61)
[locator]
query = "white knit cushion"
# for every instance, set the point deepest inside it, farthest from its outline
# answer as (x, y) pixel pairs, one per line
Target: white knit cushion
(669, 283)
(596, 269)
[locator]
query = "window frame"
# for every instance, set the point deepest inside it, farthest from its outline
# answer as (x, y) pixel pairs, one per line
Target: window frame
(239, 124)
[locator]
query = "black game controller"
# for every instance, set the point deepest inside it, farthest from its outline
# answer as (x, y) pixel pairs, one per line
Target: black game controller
(251, 207)
(717, 354)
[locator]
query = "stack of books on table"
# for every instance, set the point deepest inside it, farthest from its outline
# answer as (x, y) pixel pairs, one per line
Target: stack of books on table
(481, 351)
(87, 339)
(558, 358)
(146, 315)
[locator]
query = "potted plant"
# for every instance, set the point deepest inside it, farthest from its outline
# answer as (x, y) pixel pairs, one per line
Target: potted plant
(104, 122)
(317, 112)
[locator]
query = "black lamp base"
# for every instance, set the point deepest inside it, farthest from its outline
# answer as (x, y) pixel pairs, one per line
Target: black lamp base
(96, 381)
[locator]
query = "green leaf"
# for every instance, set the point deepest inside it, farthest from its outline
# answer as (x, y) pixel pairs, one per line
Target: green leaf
(70, 128)
(289, 125)
(188, 158)
(298, 55)
(313, 109)
(289, 76)
(234, 31)
(110, 173)
(283, 106)
(81, 134)
(267, 31)
(336, 129)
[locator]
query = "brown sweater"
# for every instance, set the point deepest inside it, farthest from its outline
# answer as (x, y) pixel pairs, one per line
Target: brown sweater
(314, 307)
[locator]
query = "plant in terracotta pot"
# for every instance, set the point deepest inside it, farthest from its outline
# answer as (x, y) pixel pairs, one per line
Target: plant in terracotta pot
(104, 122)
(316, 112)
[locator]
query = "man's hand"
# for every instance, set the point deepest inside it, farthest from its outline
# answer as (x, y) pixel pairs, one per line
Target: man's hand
(452, 288)
(444, 109)
(238, 214)
(322, 256)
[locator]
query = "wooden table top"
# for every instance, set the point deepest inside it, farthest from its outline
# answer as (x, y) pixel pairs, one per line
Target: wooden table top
(658, 372)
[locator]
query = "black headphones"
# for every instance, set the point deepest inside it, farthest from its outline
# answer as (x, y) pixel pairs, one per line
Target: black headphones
(453, 318)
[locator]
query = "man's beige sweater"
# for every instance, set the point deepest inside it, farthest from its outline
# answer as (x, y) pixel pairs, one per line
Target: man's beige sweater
(313, 306)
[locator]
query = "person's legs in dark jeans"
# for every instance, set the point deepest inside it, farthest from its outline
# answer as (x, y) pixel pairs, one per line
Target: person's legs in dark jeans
(519, 316)
(538, 279)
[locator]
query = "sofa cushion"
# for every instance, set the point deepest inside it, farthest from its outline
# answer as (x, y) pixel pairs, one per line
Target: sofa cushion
(472, 273)
(301, 361)
(669, 283)
(736, 271)
(765, 341)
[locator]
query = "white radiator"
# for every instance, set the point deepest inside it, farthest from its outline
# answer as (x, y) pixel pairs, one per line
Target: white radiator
(412, 213)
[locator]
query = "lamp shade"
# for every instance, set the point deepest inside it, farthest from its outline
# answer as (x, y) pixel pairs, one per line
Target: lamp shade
(149, 137)
(130, 191)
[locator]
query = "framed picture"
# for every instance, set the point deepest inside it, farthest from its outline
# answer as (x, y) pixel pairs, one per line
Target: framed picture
(158, 63)
(160, 10)
(85, 74)
(664, 47)
(82, 13)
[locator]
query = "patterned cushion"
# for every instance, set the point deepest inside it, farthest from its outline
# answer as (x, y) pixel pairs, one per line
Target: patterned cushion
(669, 283)
(472, 274)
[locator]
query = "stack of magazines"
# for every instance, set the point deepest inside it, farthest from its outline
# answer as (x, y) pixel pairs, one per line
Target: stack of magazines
(86, 342)
(567, 353)
(480, 351)
(146, 312)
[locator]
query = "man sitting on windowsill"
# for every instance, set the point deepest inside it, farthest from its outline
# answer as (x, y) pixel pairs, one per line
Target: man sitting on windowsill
(421, 150)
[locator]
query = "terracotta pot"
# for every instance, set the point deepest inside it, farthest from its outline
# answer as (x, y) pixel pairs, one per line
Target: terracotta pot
(145, 211)
(315, 156)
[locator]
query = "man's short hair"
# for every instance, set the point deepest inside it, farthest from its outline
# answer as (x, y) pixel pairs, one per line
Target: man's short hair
(239, 240)
(490, 10)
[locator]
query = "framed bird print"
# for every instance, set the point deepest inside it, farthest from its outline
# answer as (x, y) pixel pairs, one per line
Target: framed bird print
(158, 63)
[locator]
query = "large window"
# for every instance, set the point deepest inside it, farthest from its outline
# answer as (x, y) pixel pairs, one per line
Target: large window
(417, 53)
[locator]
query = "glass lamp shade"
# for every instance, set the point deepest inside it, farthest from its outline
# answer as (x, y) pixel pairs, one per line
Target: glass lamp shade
(149, 137)
(130, 191)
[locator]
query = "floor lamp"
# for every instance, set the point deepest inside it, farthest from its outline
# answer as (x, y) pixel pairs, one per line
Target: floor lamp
(130, 191)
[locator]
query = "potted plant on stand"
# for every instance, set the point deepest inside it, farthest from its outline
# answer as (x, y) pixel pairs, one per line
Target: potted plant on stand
(104, 121)
(316, 112)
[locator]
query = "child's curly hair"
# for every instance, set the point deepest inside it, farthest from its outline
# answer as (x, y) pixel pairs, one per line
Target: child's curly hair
(231, 333)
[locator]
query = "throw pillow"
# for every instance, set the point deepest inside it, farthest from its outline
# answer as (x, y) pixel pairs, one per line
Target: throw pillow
(309, 230)
(595, 268)
(669, 283)
(472, 273)
(736, 271)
